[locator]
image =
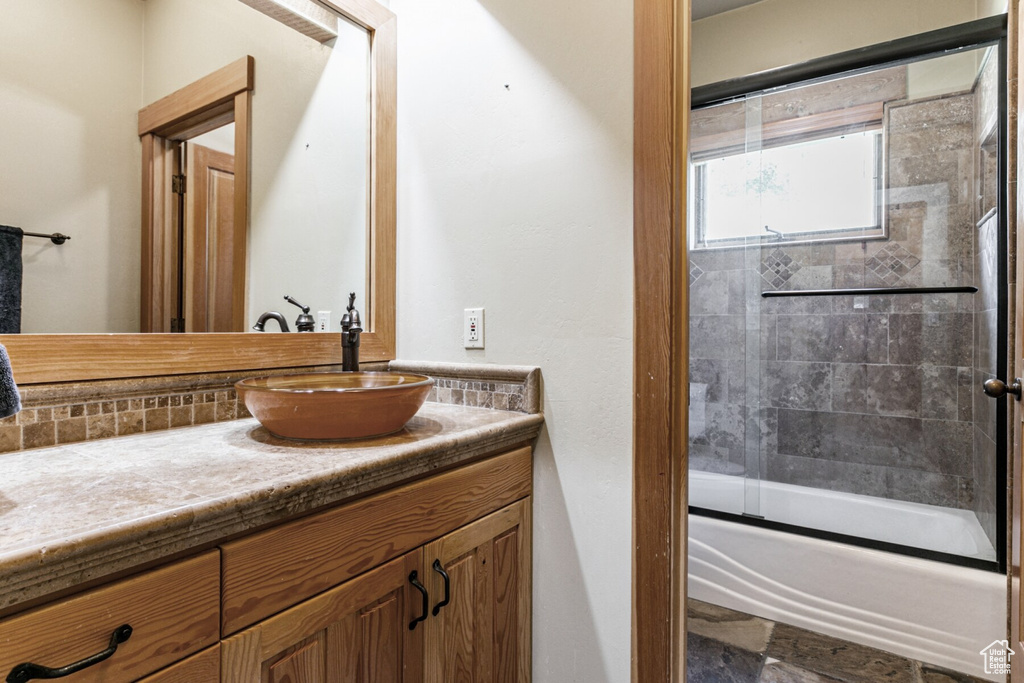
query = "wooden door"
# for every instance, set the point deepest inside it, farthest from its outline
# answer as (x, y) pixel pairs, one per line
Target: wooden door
(1015, 211)
(358, 632)
(483, 633)
(210, 279)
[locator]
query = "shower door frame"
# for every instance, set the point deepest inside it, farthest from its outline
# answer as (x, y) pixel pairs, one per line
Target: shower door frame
(972, 35)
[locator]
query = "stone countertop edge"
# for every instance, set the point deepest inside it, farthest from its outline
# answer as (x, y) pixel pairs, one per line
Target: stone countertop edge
(32, 572)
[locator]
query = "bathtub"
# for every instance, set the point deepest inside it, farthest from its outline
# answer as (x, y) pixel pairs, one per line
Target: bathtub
(931, 611)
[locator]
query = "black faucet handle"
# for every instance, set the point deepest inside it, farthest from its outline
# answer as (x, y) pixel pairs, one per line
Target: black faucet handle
(351, 318)
(305, 309)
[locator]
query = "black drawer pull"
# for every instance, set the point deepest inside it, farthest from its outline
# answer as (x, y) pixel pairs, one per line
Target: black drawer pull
(439, 568)
(29, 671)
(426, 600)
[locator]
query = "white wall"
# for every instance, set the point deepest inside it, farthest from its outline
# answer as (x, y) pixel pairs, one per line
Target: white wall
(70, 75)
(73, 76)
(310, 144)
(515, 194)
(775, 33)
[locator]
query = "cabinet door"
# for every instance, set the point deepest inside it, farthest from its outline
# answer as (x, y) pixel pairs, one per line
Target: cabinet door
(358, 632)
(483, 633)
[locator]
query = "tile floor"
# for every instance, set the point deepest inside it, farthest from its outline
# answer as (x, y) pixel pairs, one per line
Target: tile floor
(724, 646)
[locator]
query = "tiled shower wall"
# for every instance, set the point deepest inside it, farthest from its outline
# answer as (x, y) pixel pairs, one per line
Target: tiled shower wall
(868, 394)
(986, 265)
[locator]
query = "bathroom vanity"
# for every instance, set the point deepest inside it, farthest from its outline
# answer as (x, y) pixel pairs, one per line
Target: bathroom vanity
(403, 558)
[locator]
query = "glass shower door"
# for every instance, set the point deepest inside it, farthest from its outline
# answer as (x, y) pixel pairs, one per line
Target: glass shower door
(847, 293)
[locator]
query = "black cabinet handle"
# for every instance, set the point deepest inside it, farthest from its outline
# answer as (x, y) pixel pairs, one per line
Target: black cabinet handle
(447, 586)
(29, 671)
(426, 600)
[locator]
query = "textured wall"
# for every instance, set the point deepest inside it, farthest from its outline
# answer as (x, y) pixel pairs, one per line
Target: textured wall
(515, 193)
(70, 82)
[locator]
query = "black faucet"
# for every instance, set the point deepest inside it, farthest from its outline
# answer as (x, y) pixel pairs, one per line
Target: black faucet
(351, 328)
(271, 315)
(304, 323)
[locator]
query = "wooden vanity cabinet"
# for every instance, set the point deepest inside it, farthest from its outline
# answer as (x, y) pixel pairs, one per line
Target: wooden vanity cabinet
(356, 593)
(173, 612)
(386, 620)
(381, 628)
(203, 667)
(482, 634)
(358, 631)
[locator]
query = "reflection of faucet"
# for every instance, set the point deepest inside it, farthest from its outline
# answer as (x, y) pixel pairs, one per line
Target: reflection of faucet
(351, 327)
(271, 315)
(778, 235)
(304, 323)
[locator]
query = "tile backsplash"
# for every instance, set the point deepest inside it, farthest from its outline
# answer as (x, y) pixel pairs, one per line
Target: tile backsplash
(82, 411)
(500, 387)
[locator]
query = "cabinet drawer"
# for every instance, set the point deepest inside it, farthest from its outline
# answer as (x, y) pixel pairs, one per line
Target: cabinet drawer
(173, 612)
(273, 570)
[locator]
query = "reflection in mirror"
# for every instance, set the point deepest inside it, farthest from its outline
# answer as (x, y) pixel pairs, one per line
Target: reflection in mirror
(73, 77)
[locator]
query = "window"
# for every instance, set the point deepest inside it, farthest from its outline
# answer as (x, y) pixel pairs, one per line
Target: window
(828, 187)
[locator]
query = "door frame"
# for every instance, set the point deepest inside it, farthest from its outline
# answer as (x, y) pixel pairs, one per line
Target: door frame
(1015, 293)
(661, 115)
(222, 97)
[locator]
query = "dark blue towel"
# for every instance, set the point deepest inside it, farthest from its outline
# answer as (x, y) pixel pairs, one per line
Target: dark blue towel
(10, 402)
(10, 279)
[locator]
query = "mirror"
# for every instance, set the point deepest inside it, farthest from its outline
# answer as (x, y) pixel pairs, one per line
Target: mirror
(73, 77)
(45, 358)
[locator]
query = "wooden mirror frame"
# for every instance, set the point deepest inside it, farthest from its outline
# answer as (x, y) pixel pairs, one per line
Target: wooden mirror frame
(48, 358)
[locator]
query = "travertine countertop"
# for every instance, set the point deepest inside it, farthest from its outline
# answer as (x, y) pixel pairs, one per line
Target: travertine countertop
(74, 513)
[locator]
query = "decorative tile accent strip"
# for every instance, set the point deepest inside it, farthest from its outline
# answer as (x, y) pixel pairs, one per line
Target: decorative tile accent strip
(892, 263)
(777, 267)
(502, 387)
(82, 411)
(695, 272)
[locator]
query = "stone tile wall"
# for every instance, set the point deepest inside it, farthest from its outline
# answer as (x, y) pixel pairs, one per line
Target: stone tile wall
(986, 265)
(868, 394)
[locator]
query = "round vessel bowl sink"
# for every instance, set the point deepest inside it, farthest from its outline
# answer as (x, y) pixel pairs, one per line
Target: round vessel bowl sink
(330, 406)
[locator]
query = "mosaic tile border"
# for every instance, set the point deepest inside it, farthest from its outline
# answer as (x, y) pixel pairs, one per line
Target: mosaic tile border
(72, 412)
(501, 387)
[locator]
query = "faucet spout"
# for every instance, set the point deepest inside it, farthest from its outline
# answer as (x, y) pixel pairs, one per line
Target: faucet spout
(351, 329)
(271, 315)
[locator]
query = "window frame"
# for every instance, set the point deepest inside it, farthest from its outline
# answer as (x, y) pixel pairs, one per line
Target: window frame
(699, 240)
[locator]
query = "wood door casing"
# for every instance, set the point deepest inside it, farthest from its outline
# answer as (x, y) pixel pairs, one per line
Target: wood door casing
(483, 634)
(357, 632)
(210, 275)
(1015, 196)
(219, 98)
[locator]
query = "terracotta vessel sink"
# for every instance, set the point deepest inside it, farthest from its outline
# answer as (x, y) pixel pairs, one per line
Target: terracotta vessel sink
(327, 406)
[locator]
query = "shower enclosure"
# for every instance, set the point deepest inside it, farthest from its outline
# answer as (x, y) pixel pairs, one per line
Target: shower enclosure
(848, 297)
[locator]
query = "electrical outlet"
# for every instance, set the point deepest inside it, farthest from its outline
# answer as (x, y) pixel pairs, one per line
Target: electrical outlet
(323, 321)
(473, 328)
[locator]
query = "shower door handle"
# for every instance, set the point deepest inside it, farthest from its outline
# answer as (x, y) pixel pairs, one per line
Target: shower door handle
(997, 388)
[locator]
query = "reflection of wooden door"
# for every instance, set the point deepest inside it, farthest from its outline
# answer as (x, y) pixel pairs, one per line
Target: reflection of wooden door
(209, 241)
(222, 97)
